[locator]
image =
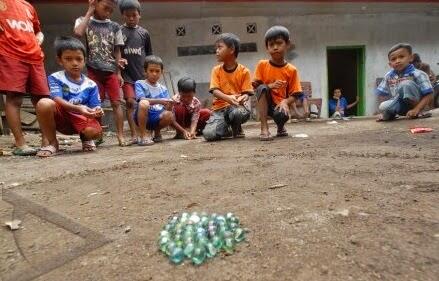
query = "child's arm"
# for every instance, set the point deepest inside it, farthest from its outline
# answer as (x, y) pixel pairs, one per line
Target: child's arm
(426, 100)
(81, 25)
(354, 103)
(118, 57)
(231, 99)
(187, 135)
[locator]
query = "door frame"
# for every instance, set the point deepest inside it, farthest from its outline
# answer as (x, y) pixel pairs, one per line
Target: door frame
(361, 73)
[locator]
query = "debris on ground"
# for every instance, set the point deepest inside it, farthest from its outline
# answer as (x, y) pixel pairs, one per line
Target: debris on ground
(303, 136)
(332, 122)
(13, 225)
(276, 186)
(419, 130)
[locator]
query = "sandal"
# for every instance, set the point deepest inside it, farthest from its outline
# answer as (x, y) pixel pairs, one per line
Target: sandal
(134, 141)
(99, 141)
(88, 146)
(157, 138)
(267, 137)
(47, 151)
(282, 133)
(25, 150)
(125, 143)
(145, 142)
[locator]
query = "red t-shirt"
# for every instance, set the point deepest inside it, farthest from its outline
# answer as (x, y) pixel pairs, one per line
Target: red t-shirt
(19, 23)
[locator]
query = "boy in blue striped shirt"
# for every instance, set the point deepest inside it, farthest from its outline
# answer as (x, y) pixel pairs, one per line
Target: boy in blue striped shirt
(407, 90)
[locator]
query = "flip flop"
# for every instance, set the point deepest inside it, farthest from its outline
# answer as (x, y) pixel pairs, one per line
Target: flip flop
(267, 137)
(157, 139)
(424, 115)
(125, 143)
(99, 141)
(25, 150)
(88, 146)
(282, 133)
(47, 151)
(145, 142)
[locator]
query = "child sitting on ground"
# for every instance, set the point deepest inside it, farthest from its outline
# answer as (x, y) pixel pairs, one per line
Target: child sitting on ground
(74, 104)
(407, 89)
(189, 118)
(338, 105)
(153, 103)
(104, 39)
(276, 82)
(21, 64)
(137, 46)
(231, 87)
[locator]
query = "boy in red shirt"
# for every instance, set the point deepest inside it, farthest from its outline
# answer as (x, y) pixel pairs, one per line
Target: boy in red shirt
(21, 64)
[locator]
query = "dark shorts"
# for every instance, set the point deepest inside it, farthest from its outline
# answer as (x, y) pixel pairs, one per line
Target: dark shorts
(108, 83)
(70, 123)
(128, 91)
(153, 118)
(21, 77)
(279, 117)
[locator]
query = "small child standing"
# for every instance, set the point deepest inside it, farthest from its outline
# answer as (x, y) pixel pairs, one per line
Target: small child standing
(277, 83)
(137, 46)
(231, 87)
(407, 89)
(74, 104)
(104, 39)
(21, 64)
(189, 118)
(153, 103)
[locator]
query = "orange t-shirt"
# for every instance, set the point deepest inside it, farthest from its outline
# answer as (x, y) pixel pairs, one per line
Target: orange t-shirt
(235, 83)
(268, 73)
(20, 23)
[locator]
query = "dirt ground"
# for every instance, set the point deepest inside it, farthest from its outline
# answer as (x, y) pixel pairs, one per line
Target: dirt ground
(357, 200)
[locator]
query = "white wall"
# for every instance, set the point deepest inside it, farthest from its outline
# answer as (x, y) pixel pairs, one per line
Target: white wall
(311, 34)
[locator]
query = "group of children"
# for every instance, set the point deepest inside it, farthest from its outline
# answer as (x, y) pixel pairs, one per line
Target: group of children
(121, 57)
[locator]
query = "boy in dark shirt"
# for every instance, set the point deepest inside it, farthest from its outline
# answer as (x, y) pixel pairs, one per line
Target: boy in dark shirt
(137, 46)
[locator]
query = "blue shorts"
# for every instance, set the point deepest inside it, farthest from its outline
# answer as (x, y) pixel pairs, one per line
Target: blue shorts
(153, 118)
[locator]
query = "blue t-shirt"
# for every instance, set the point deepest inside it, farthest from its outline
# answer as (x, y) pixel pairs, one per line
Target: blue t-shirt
(392, 79)
(144, 90)
(86, 91)
(333, 105)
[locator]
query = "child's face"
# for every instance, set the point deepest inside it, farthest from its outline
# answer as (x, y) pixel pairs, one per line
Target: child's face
(223, 52)
(277, 48)
(104, 9)
(153, 73)
(187, 97)
(131, 17)
(73, 62)
(400, 59)
(337, 93)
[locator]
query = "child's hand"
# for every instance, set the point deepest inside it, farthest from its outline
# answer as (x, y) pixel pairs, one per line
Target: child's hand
(412, 113)
(91, 6)
(277, 84)
(98, 112)
(121, 81)
(242, 99)
(122, 63)
(86, 111)
(283, 107)
(187, 135)
(233, 100)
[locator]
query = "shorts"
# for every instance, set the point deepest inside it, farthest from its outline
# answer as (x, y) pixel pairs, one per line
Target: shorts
(108, 83)
(153, 118)
(128, 91)
(279, 117)
(21, 77)
(70, 123)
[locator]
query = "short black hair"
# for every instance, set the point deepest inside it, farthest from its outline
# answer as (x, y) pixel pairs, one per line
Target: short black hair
(153, 60)
(64, 43)
(186, 85)
(231, 41)
(125, 5)
(275, 32)
(398, 46)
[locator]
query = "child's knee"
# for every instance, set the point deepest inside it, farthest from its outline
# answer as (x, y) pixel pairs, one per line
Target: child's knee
(144, 104)
(239, 115)
(45, 105)
(130, 104)
(91, 133)
(167, 117)
(279, 117)
(209, 133)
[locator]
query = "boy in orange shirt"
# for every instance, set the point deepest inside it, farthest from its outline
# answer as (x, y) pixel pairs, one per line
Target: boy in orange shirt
(276, 82)
(231, 87)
